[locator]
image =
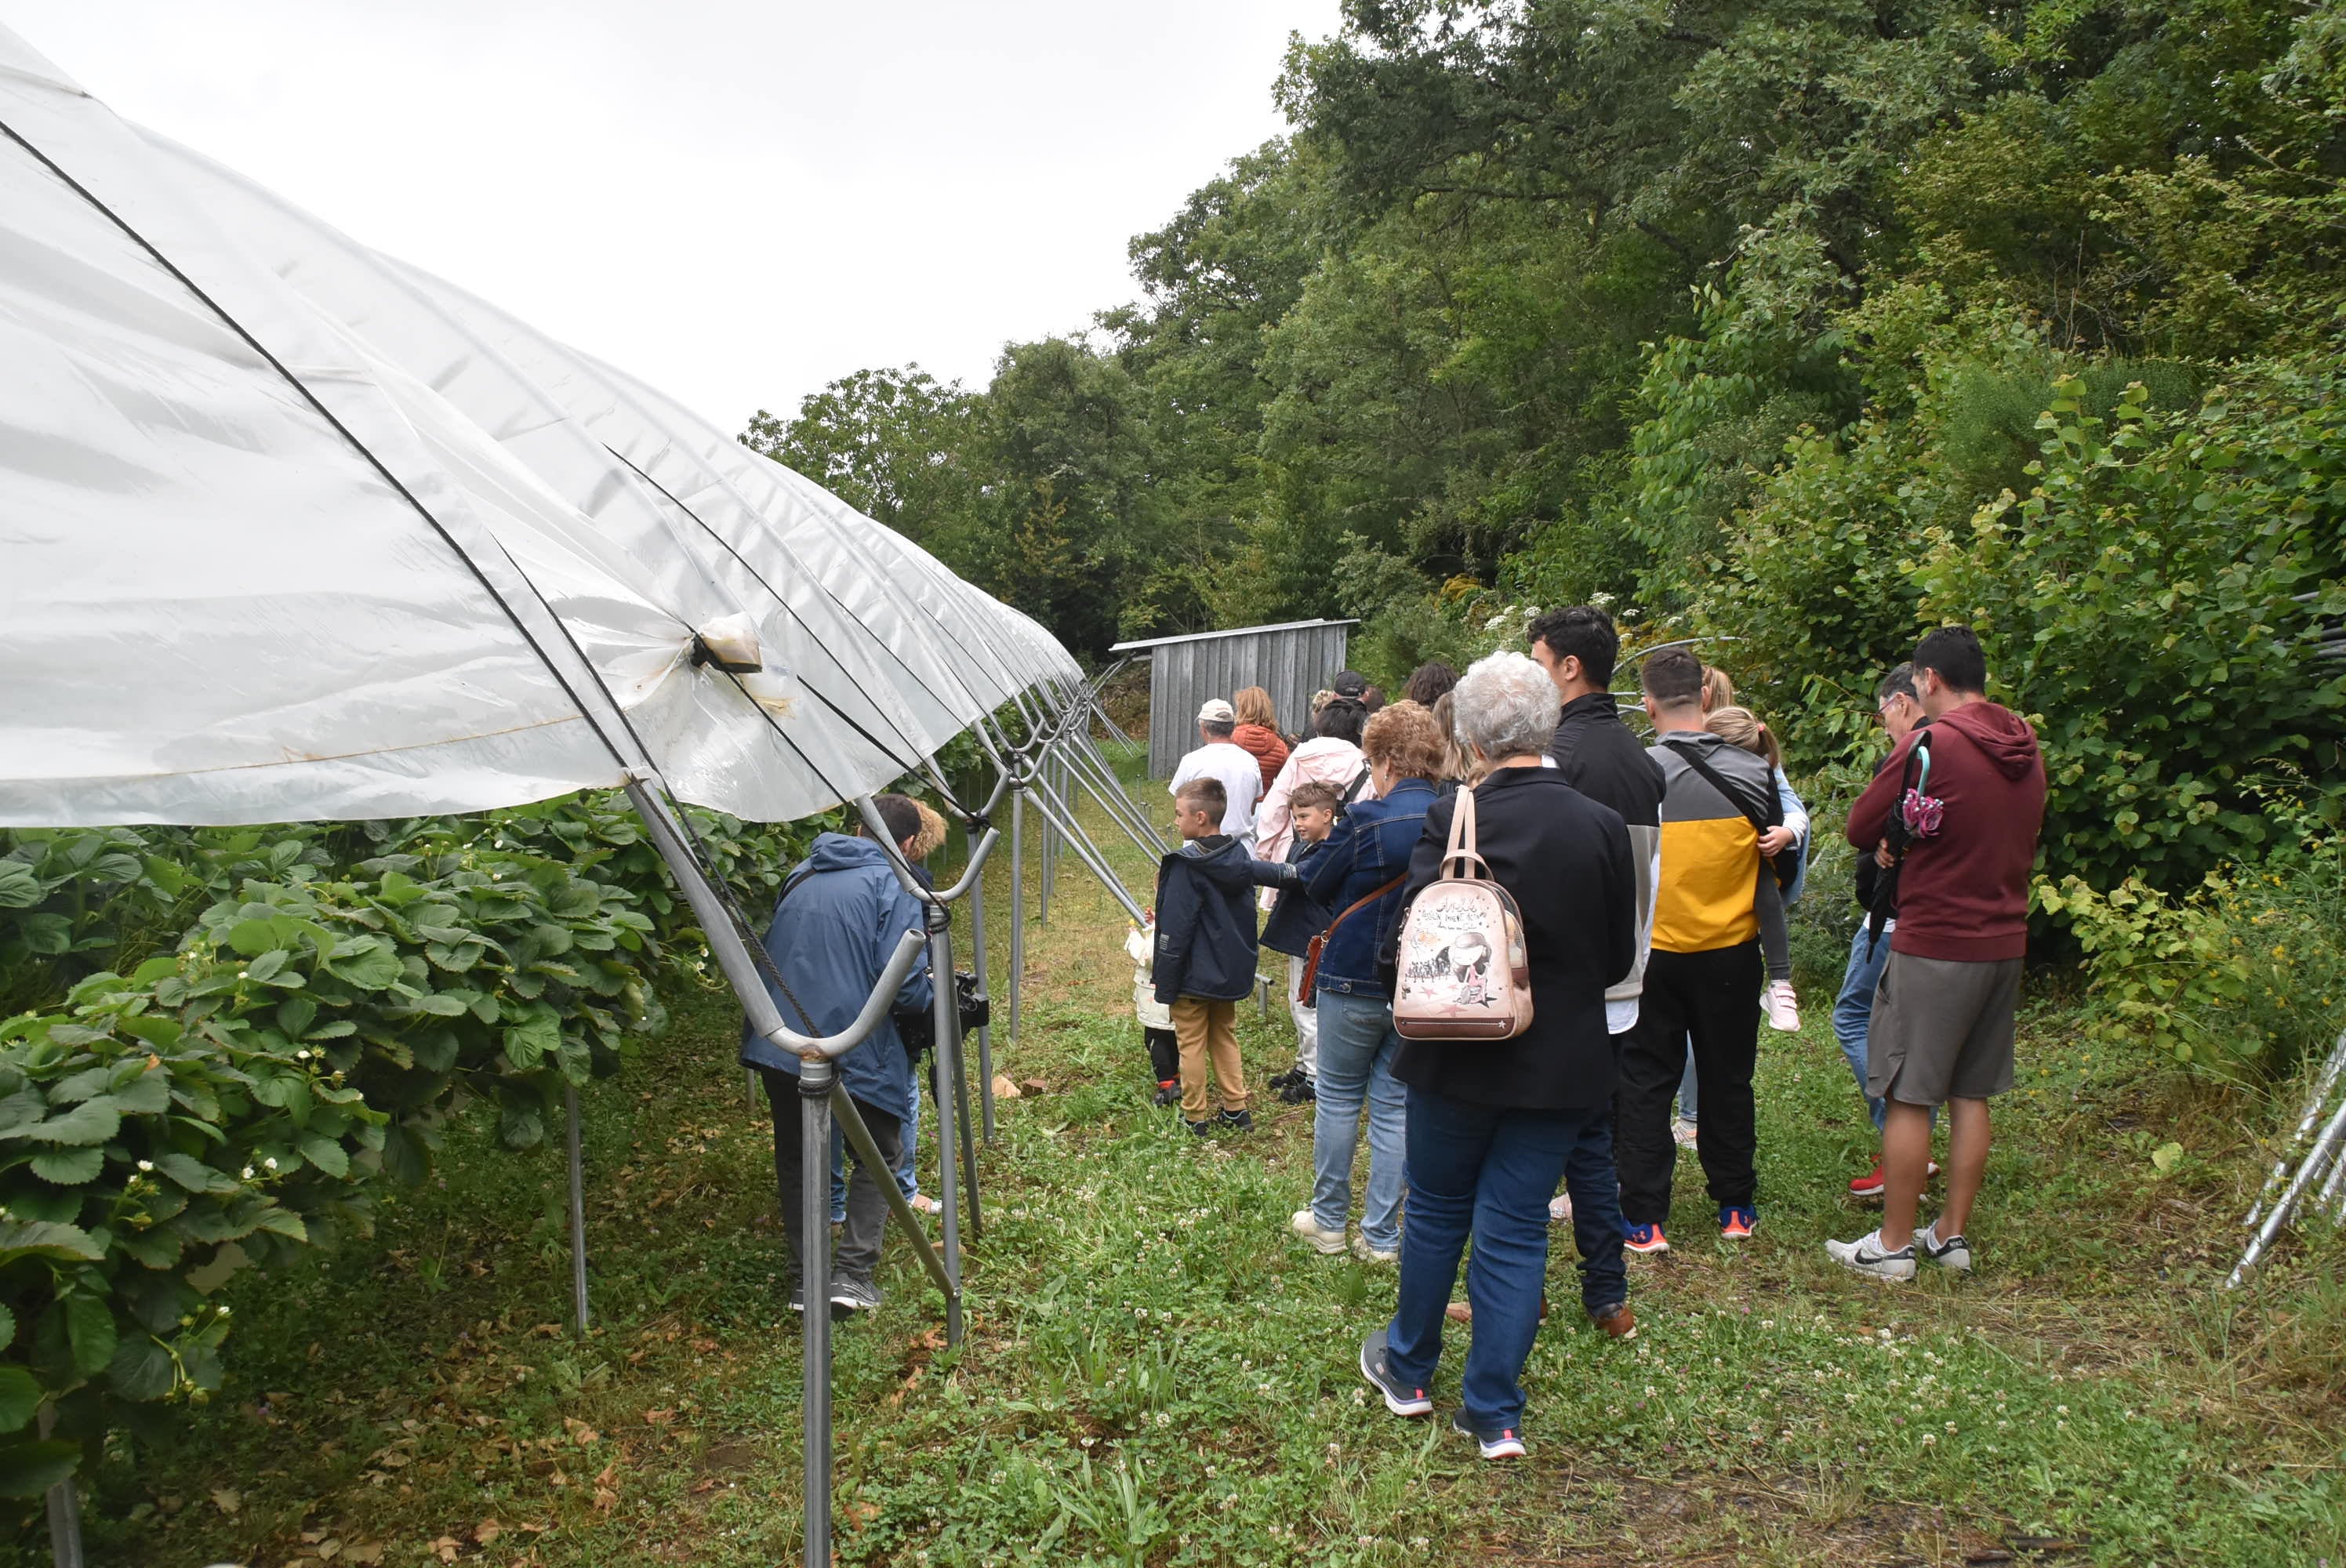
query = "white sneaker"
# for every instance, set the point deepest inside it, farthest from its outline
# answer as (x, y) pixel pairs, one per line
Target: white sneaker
(1559, 1209)
(1330, 1242)
(1367, 1254)
(1783, 1007)
(1866, 1254)
(1953, 1253)
(1683, 1131)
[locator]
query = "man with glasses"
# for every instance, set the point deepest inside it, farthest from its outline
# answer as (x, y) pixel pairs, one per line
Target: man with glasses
(1900, 714)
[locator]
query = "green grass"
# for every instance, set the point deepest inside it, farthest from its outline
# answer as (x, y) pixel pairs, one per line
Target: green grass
(1156, 1373)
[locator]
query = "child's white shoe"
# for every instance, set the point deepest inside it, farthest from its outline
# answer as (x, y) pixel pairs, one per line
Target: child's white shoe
(1783, 1007)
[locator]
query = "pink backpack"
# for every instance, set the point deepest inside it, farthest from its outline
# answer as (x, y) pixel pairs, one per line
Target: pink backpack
(1462, 971)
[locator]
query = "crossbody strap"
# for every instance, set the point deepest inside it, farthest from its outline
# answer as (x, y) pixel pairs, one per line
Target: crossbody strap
(1310, 979)
(1736, 798)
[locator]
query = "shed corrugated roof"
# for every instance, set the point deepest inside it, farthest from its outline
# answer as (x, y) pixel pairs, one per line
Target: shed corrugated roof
(1234, 632)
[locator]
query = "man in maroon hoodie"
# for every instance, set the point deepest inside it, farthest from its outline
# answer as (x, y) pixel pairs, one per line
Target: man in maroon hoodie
(1965, 797)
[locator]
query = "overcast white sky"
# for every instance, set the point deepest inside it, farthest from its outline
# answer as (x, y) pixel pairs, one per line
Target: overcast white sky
(736, 200)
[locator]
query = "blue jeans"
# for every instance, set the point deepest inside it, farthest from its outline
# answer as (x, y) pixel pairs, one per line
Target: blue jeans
(1488, 1171)
(1852, 1010)
(1690, 1101)
(1596, 1188)
(1357, 1045)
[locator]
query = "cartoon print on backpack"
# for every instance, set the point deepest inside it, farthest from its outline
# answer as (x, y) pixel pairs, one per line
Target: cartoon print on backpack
(1445, 963)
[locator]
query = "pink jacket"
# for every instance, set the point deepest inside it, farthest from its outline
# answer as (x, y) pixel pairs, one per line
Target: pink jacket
(1324, 758)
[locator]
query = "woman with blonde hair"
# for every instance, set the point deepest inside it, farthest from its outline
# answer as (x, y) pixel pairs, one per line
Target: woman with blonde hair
(1257, 734)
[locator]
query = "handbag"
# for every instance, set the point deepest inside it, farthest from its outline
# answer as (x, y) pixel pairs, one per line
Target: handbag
(1305, 986)
(1460, 970)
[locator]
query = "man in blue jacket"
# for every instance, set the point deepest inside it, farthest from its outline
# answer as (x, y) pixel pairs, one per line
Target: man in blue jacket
(835, 926)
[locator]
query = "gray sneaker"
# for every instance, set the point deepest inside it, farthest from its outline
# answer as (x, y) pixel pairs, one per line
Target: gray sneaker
(850, 1296)
(1401, 1399)
(1866, 1254)
(1953, 1253)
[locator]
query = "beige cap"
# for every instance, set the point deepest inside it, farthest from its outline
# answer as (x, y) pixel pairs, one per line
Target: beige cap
(1217, 711)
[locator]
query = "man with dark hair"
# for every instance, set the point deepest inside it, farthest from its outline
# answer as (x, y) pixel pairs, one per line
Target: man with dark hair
(836, 923)
(1597, 755)
(1899, 711)
(1964, 799)
(1702, 980)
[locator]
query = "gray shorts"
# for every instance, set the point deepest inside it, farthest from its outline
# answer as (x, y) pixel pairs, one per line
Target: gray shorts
(1941, 1029)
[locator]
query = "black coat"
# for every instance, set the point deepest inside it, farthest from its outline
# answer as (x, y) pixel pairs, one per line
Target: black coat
(1295, 918)
(1204, 919)
(1601, 757)
(1566, 861)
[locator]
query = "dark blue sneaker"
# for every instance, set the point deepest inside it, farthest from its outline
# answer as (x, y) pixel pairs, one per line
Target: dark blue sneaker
(1737, 1222)
(1497, 1442)
(1643, 1238)
(1401, 1399)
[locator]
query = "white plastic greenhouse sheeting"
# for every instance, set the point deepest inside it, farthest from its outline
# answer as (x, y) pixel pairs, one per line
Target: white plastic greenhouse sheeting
(217, 605)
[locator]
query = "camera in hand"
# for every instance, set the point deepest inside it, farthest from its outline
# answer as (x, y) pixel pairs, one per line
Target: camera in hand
(918, 1029)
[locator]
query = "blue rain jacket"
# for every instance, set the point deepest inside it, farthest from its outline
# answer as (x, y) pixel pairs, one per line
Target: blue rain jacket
(830, 937)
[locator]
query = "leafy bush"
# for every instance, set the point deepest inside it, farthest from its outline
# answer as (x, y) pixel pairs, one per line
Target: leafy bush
(144, 1157)
(232, 1097)
(2150, 603)
(2244, 975)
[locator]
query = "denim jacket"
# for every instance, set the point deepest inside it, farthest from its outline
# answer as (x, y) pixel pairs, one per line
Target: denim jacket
(1369, 848)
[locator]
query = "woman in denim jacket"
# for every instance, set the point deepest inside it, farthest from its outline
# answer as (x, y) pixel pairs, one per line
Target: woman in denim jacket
(1368, 850)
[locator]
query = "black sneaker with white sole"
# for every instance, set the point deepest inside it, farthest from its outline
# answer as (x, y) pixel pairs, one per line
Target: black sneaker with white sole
(850, 1296)
(1953, 1253)
(1402, 1399)
(1496, 1443)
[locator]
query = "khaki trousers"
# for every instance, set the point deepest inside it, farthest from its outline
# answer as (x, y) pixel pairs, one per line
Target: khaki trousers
(1208, 1030)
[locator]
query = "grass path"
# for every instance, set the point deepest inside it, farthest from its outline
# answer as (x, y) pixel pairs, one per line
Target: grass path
(1156, 1373)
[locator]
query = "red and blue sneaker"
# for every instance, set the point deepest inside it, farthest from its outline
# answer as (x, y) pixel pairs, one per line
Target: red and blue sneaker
(1643, 1238)
(1737, 1222)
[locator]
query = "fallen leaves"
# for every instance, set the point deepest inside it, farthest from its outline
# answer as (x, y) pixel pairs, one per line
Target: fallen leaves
(1003, 1089)
(580, 1432)
(228, 1499)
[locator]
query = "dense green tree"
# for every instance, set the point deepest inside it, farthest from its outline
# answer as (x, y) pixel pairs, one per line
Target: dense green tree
(1752, 318)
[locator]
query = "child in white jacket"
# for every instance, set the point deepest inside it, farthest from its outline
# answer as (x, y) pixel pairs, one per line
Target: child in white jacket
(1156, 1018)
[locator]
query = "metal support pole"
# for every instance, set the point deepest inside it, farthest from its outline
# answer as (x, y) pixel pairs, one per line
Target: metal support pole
(815, 1083)
(859, 1138)
(985, 990)
(1120, 803)
(2325, 1148)
(1085, 851)
(578, 1210)
(64, 1509)
(2306, 1120)
(1043, 859)
(946, 1018)
(968, 1143)
(1017, 901)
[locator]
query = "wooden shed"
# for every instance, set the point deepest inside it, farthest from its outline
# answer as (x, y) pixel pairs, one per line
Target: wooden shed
(1289, 661)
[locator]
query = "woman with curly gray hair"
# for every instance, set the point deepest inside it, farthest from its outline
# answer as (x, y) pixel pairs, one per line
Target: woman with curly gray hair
(1493, 1124)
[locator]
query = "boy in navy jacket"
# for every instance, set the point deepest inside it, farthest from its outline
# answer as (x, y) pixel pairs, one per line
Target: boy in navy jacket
(1206, 953)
